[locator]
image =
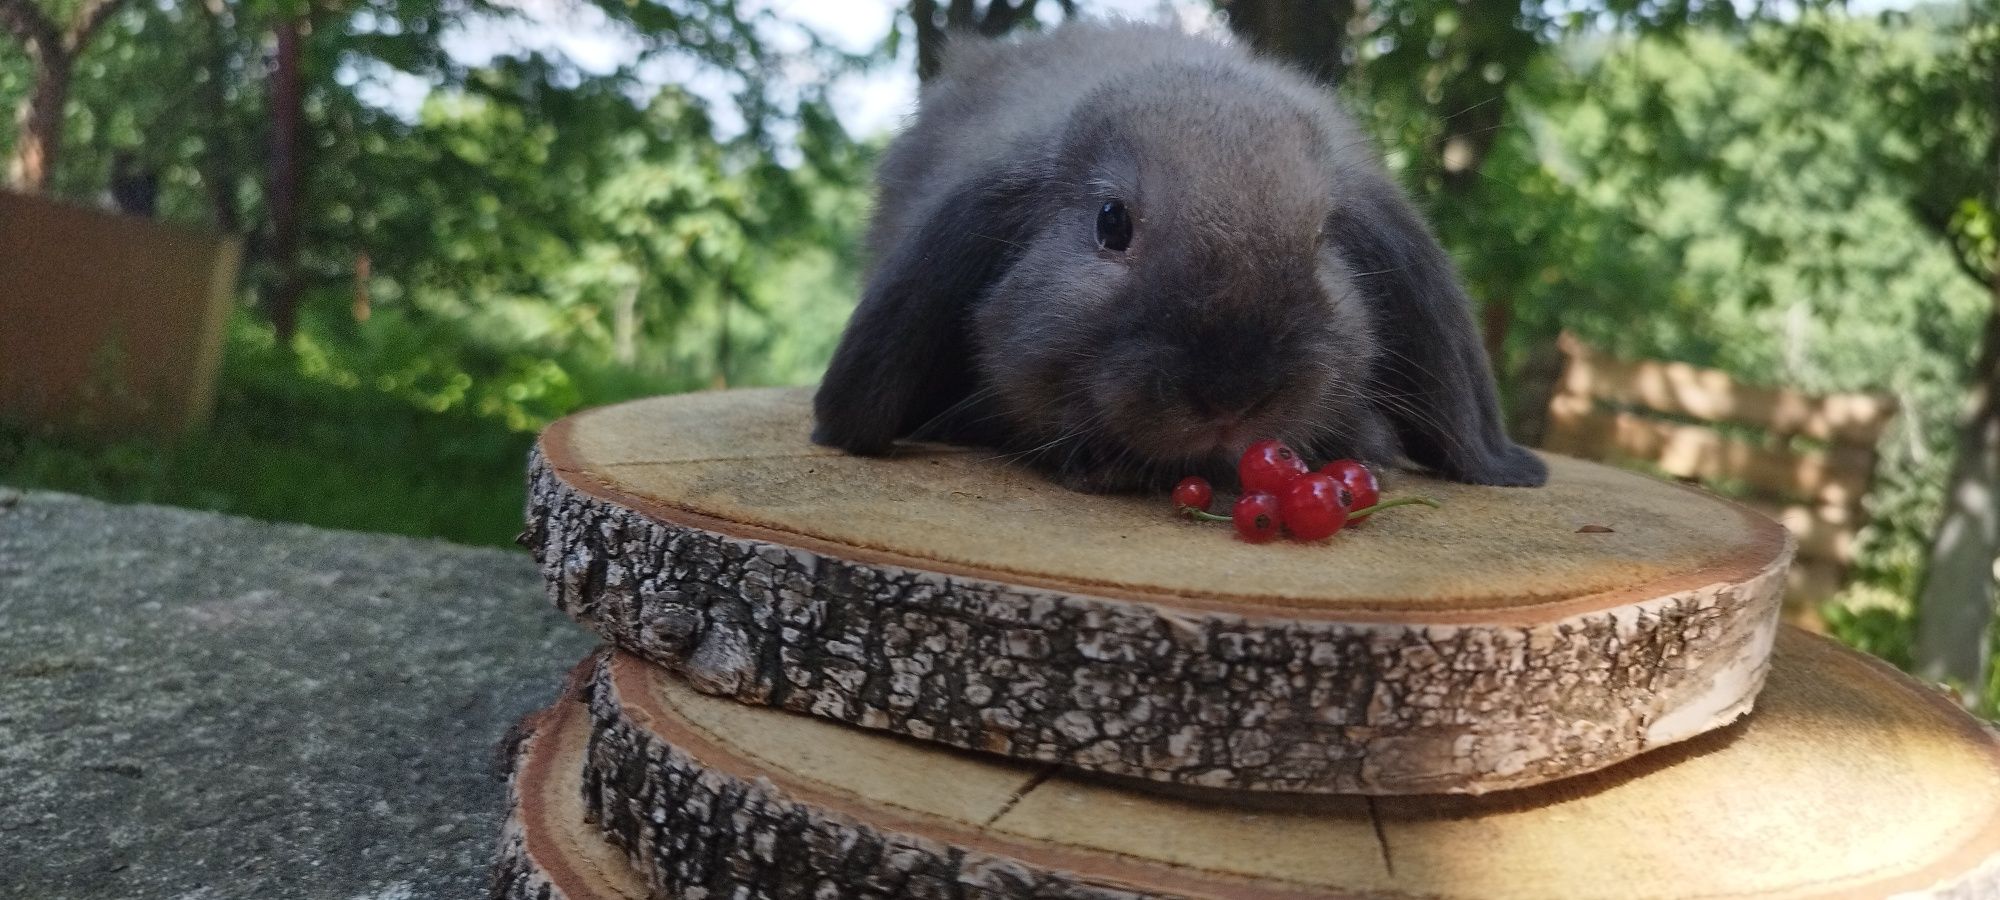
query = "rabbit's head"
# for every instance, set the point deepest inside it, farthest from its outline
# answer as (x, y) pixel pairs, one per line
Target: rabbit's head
(1196, 256)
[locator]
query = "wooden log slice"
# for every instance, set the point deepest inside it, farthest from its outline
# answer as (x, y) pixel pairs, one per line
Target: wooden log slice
(1512, 637)
(548, 850)
(1850, 780)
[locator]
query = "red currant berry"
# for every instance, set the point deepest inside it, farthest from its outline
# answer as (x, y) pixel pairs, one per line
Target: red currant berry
(1268, 466)
(1363, 489)
(1311, 506)
(1256, 517)
(1359, 480)
(1193, 493)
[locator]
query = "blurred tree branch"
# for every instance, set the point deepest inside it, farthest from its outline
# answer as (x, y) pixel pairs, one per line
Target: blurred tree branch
(285, 180)
(1955, 606)
(1939, 221)
(217, 161)
(91, 17)
(53, 54)
(29, 26)
(1310, 34)
(964, 16)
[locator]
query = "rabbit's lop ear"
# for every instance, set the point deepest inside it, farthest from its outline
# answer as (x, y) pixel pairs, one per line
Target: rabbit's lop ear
(905, 357)
(1430, 376)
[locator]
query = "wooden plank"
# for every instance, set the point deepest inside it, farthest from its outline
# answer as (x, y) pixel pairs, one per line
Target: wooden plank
(1812, 582)
(1808, 585)
(1825, 532)
(1566, 432)
(1713, 396)
(1849, 778)
(1836, 477)
(107, 321)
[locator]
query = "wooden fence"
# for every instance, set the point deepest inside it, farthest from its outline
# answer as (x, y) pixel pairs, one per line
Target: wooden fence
(1803, 459)
(109, 321)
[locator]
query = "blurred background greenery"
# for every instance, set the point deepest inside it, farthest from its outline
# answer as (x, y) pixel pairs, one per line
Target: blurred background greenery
(490, 230)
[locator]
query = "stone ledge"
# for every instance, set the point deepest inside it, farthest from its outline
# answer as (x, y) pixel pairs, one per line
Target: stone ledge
(198, 705)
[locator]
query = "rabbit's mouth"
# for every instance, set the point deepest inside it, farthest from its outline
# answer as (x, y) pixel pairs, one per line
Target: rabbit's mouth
(1228, 438)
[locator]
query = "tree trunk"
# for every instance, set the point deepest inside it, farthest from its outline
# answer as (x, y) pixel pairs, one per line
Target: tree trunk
(930, 38)
(1472, 109)
(287, 126)
(1528, 393)
(1476, 111)
(1469, 133)
(53, 52)
(1955, 608)
(625, 325)
(41, 124)
(1309, 34)
(999, 17)
(364, 269)
(1497, 318)
(217, 173)
(721, 379)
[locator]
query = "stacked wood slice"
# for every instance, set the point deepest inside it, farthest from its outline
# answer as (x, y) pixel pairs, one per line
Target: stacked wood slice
(1069, 696)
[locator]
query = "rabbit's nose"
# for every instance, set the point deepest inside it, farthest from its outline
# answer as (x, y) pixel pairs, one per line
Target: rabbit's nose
(1229, 400)
(1228, 438)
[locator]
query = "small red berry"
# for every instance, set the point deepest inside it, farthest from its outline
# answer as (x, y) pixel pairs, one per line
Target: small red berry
(1267, 466)
(1360, 482)
(1256, 517)
(1311, 506)
(1193, 492)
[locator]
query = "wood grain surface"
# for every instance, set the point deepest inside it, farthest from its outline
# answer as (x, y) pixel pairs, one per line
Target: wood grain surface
(1850, 780)
(947, 595)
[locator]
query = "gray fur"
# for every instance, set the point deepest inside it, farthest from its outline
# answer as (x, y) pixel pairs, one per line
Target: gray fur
(1277, 285)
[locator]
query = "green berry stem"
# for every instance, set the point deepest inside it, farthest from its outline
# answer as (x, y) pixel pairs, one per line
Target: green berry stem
(1206, 516)
(1406, 501)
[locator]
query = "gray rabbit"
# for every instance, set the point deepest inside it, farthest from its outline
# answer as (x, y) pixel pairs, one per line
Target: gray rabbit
(1122, 253)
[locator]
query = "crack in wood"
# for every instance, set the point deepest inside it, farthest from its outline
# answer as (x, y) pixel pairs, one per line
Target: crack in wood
(749, 457)
(1381, 838)
(1024, 790)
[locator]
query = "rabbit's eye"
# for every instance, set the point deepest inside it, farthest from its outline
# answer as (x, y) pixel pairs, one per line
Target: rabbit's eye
(1114, 226)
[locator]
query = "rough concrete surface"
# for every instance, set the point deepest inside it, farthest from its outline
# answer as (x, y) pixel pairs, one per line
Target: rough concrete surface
(199, 706)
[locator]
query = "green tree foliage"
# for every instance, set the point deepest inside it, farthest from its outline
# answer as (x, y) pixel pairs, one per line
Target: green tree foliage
(1804, 198)
(1945, 114)
(1442, 80)
(536, 237)
(50, 37)
(1707, 199)
(1786, 247)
